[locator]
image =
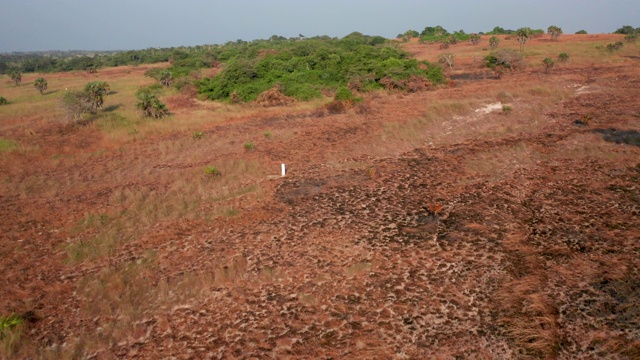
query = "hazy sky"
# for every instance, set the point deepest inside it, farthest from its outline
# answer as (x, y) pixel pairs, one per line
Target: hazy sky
(27, 25)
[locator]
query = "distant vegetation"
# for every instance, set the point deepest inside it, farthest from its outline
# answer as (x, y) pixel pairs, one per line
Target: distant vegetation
(296, 68)
(627, 29)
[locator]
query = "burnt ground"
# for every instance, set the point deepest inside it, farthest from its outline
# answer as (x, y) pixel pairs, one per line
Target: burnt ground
(520, 244)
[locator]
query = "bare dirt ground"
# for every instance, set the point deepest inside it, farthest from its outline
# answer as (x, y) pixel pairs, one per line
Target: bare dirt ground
(535, 251)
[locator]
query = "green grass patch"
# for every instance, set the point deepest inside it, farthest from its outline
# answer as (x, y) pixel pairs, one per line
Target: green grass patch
(9, 322)
(7, 145)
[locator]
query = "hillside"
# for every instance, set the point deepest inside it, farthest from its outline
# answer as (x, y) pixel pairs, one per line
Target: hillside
(484, 218)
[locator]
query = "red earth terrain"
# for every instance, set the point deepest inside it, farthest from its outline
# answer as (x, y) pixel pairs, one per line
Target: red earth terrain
(413, 226)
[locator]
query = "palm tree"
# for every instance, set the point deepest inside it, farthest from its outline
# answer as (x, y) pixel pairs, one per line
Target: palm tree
(16, 76)
(151, 106)
(96, 90)
(40, 84)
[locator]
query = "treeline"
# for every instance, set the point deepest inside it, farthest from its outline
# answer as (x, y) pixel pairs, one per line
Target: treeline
(438, 33)
(47, 63)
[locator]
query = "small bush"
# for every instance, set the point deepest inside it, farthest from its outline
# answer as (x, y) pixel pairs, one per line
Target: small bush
(336, 107)
(615, 46)
(631, 38)
(344, 94)
(249, 146)
(506, 109)
(563, 57)
(548, 64)
(198, 135)
(267, 134)
(3, 101)
(212, 171)
(494, 42)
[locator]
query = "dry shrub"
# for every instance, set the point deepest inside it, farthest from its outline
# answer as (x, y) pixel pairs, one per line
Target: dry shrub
(336, 107)
(235, 98)
(355, 85)
(412, 84)
(417, 83)
(274, 97)
(510, 58)
(390, 83)
(190, 90)
(365, 107)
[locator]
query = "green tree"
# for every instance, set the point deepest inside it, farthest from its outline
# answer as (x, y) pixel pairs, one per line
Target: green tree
(554, 32)
(411, 33)
(524, 35)
(434, 31)
(16, 76)
(581, 32)
(40, 84)
(494, 42)
(626, 29)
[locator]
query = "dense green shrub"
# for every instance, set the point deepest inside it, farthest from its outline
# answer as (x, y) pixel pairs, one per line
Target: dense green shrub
(3, 101)
(303, 69)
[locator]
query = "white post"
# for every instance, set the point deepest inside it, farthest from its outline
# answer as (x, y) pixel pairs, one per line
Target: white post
(284, 171)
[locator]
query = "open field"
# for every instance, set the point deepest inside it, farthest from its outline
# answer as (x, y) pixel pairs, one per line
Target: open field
(413, 226)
